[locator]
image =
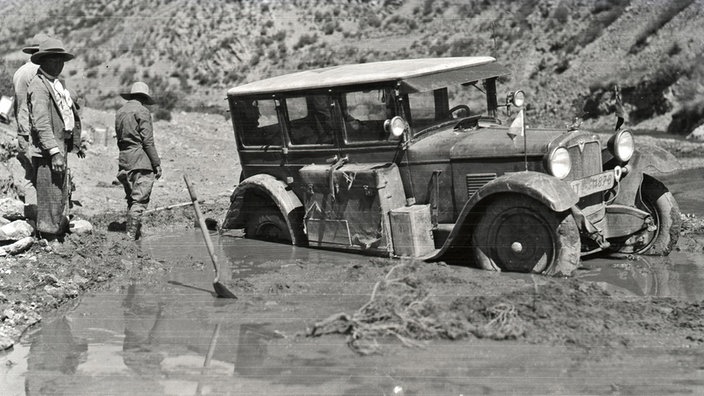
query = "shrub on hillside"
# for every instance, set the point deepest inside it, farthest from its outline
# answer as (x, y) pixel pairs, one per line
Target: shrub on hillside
(7, 70)
(305, 39)
(670, 11)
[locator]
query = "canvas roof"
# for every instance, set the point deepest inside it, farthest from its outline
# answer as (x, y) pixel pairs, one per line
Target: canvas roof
(411, 75)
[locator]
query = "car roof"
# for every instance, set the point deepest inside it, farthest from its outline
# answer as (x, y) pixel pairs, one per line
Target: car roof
(410, 75)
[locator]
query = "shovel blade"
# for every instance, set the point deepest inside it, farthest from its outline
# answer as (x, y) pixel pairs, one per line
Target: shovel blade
(223, 291)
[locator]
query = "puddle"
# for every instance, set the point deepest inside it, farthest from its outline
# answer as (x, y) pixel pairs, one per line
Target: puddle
(241, 256)
(687, 187)
(176, 340)
(679, 275)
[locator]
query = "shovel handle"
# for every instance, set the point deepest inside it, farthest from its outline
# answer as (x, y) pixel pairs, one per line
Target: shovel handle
(203, 227)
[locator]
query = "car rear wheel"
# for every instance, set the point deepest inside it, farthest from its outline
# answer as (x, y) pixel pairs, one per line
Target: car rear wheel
(657, 200)
(267, 224)
(517, 233)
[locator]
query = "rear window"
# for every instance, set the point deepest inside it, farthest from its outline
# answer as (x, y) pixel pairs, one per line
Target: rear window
(257, 122)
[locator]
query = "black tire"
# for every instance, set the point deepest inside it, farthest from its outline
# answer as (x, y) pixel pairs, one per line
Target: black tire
(517, 233)
(657, 200)
(267, 224)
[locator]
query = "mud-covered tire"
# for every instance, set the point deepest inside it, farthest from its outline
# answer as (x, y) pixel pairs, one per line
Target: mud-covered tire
(267, 223)
(657, 200)
(517, 233)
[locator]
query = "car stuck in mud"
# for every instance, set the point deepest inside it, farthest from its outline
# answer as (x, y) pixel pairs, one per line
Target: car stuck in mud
(420, 158)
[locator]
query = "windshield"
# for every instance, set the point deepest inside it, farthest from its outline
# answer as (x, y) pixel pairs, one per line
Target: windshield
(446, 105)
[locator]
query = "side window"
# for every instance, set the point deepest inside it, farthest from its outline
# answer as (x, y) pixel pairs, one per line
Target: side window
(364, 113)
(310, 120)
(258, 122)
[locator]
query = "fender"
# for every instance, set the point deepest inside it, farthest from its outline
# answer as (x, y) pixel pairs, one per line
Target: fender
(548, 190)
(649, 160)
(277, 191)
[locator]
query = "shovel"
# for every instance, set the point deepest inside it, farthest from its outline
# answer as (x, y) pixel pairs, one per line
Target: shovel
(220, 289)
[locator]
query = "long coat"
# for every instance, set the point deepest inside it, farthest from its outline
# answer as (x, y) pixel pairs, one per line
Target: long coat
(46, 124)
(48, 135)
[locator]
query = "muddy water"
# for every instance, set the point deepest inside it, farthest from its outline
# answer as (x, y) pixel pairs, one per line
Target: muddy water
(687, 186)
(176, 338)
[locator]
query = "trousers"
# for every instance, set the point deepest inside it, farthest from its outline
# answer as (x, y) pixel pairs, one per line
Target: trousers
(138, 185)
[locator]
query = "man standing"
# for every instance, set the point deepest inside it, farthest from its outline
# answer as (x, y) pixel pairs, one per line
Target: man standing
(20, 81)
(55, 131)
(139, 164)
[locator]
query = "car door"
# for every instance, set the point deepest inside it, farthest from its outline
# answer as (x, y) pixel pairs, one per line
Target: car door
(364, 138)
(312, 135)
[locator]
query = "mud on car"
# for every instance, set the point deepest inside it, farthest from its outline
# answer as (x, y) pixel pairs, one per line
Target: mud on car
(418, 158)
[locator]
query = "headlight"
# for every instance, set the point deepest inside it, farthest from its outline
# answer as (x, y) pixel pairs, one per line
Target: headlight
(622, 146)
(559, 163)
(517, 98)
(396, 126)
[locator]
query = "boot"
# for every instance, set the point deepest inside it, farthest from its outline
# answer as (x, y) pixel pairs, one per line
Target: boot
(131, 227)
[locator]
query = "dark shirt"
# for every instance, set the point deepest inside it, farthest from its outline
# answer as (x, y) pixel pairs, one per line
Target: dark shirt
(135, 137)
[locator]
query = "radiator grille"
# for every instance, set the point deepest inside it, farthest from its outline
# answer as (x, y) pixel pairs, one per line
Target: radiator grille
(475, 181)
(585, 162)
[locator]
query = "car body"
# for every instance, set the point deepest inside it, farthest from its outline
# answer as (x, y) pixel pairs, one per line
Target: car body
(418, 157)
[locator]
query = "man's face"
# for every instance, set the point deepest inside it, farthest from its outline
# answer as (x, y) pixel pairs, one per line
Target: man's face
(52, 65)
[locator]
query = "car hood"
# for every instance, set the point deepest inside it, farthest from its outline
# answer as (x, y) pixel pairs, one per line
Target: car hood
(482, 143)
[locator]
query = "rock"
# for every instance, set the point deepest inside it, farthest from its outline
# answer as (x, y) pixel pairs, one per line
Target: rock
(15, 231)
(697, 134)
(80, 227)
(6, 343)
(17, 247)
(11, 209)
(56, 292)
(79, 280)
(7, 182)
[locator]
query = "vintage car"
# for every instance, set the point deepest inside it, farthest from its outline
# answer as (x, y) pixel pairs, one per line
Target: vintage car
(420, 158)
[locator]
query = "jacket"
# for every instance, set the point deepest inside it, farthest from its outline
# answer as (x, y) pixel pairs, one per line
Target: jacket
(20, 80)
(135, 138)
(45, 122)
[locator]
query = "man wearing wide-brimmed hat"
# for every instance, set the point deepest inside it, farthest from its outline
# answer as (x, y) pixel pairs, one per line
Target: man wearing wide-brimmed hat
(55, 131)
(139, 164)
(20, 81)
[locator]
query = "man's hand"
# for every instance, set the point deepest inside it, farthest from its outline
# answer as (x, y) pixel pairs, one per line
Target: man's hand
(81, 154)
(57, 163)
(157, 172)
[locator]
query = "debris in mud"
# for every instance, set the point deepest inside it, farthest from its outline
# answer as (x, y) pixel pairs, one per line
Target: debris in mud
(403, 307)
(568, 312)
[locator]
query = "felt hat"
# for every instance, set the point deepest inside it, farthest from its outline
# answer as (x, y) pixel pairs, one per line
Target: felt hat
(51, 47)
(139, 89)
(33, 43)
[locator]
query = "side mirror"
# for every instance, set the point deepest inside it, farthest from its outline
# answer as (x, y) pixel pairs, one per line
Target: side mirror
(396, 126)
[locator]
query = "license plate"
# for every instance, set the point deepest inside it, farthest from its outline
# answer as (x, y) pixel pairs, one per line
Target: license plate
(595, 183)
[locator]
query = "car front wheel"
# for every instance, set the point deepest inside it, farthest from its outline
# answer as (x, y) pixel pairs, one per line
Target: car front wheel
(657, 200)
(517, 233)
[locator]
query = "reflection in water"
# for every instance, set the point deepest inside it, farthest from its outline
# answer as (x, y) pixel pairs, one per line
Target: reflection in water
(54, 352)
(252, 350)
(679, 275)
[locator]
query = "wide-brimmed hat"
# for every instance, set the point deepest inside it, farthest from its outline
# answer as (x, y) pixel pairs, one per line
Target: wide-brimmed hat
(33, 43)
(51, 47)
(139, 89)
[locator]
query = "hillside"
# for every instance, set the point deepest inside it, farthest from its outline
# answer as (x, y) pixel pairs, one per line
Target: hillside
(566, 54)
